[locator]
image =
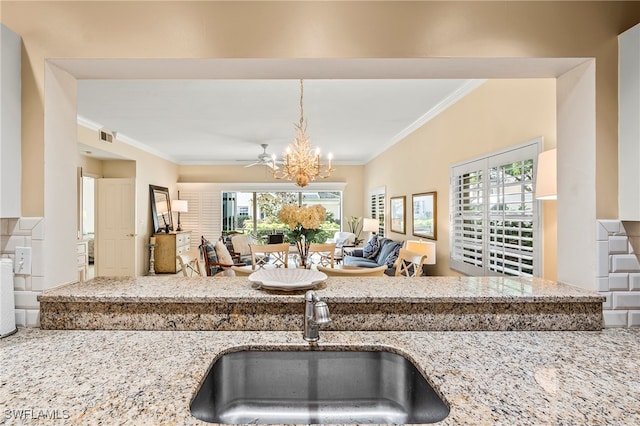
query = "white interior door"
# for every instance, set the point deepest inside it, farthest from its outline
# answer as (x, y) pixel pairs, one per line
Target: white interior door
(115, 230)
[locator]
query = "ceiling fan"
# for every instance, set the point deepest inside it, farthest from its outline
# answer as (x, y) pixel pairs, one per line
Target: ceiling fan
(264, 158)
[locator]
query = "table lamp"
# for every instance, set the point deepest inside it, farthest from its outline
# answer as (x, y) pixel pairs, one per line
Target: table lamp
(424, 248)
(370, 225)
(180, 206)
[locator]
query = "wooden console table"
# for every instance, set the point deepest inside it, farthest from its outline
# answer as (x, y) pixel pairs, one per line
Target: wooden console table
(168, 246)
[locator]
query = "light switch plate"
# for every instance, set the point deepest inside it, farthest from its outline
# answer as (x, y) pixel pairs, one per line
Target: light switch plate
(22, 261)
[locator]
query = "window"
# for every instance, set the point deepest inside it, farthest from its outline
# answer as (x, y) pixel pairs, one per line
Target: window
(257, 212)
(494, 215)
(376, 207)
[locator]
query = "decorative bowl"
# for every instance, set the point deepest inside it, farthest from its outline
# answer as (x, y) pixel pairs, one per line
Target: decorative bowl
(287, 279)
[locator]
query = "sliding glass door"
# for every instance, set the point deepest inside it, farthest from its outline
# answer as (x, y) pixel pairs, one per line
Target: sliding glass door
(256, 213)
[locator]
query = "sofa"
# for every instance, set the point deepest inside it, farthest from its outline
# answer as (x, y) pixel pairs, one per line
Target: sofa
(376, 252)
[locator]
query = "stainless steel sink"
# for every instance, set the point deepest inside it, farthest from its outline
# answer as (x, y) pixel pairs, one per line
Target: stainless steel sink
(316, 387)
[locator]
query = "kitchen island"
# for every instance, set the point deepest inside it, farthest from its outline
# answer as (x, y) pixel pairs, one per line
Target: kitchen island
(364, 304)
(149, 377)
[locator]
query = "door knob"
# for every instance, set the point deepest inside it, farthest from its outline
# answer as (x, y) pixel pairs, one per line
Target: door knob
(131, 235)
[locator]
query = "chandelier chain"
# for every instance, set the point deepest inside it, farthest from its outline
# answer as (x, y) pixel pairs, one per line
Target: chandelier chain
(301, 103)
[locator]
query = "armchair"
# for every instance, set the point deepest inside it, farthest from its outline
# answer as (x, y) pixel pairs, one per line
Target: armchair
(217, 257)
(341, 239)
(241, 243)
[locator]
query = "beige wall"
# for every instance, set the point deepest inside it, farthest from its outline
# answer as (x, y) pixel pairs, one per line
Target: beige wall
(90, 166)
(120, 168)
(339, 30)
(498, 114)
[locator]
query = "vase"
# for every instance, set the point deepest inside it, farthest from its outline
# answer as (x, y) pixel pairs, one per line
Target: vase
(303, 250)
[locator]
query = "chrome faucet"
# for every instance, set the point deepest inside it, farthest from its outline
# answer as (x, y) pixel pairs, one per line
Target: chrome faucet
(316, 313)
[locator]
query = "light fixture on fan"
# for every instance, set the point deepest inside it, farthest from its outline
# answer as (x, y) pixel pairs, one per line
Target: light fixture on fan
(301, 163)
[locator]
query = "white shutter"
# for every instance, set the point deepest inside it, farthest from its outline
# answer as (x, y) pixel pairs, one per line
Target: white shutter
(468, 218)
(494, 219)
(376, 208)
(204, 215)
(511, 219)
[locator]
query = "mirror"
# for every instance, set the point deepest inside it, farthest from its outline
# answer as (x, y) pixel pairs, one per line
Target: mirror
(160, 209)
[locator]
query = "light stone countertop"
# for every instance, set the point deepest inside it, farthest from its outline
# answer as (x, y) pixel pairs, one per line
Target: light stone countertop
(354, 290)
(149, 377)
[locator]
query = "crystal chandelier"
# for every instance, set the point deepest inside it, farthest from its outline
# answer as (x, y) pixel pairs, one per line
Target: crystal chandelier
(301, 163)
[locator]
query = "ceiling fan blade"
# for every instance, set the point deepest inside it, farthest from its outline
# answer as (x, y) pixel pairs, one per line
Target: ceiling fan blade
(253, 164)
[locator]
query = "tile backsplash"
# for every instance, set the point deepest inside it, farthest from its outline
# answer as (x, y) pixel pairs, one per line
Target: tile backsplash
(25, 232)
(618, 273)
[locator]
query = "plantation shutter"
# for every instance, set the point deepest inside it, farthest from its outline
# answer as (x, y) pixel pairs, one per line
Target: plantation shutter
(203, 217)
(376, 208)
(468, 218)
(494, 218)
(512, 213)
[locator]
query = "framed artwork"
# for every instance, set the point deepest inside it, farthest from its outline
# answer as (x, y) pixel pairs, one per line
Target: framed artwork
(398, 213)
(424, 215)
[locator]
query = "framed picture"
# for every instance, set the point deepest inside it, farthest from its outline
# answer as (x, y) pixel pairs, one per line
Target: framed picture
(398, 210)
(424, 215)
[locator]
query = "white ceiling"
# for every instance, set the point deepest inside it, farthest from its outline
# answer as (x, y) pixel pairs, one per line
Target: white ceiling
(220, 111)
(223, 121)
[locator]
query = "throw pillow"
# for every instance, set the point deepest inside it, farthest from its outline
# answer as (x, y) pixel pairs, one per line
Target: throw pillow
(393, 256)
(371, 249)
(223, 254)
(210, 254)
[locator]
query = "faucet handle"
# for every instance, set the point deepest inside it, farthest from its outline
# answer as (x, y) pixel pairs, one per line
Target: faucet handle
(321, 313)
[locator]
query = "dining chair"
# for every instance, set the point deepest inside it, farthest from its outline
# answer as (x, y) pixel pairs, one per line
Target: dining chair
(322, 254)
(190, 263)
(353, 271)
(409, 264)
(269, 254)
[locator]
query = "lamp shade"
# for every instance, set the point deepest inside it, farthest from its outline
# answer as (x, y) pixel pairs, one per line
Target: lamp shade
(546, 176)
(424, 248)
(370, 225)
(180, 206)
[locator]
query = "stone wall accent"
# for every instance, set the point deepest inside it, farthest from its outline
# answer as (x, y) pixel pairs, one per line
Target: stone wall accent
(617, 275)
(25, 232)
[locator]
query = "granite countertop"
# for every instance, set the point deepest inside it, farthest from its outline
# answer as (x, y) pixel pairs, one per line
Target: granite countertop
(336, 289)
(149, 377)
